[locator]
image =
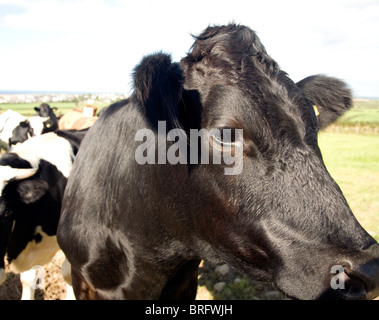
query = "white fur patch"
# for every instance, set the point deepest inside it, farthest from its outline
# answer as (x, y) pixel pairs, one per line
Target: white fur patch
(36, 122)
(35, 253)
(49, 147)
(8, 121)
(7, 173)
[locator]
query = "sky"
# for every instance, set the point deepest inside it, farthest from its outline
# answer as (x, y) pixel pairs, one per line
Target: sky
(93, 45)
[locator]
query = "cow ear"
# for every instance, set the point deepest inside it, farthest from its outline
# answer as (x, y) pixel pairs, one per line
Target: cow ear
(32, 190)
(36, 109)
(330, 97)
(158, 88)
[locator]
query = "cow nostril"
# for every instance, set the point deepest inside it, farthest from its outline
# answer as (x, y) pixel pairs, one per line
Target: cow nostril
(350, 286)
(355, 287)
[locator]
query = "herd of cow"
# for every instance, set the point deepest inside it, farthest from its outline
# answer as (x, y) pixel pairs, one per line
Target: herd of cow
(16, 128)
(34, 171)
(139, 231)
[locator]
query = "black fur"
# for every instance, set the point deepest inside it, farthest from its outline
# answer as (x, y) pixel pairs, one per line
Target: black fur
(283, 219)
(158, 86)
(44, 110)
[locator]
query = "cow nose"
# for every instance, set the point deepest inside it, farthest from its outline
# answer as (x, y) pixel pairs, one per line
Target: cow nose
(360, 277)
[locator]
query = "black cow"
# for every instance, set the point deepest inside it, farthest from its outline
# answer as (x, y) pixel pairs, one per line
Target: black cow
(138, 231)
(33, 176)
(44, 110)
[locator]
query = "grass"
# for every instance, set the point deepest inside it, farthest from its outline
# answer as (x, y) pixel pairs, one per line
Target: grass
(362, 118)
(353, 161)
(350, 150)
(360, 115)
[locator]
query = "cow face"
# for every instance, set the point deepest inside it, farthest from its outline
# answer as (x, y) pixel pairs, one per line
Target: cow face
(49, 125)
(283, 218)
(44, 110)
(21, 133)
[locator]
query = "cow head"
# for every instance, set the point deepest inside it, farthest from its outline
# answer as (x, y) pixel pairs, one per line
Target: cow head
(44, 110)
(283, 218)
(21, 133)
(50, 124)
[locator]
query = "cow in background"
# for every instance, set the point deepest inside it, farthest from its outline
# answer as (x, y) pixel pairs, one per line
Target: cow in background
(33, 175)
(16, 128)
(8, 121)
(32, 126)
(78, 119)
(44, 110)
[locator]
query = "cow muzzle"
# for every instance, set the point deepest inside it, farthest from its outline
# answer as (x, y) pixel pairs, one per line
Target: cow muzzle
(357, 277)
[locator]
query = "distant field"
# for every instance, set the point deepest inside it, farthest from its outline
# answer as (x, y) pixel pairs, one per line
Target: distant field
(353, 161)
(363, 111)
(27, 109)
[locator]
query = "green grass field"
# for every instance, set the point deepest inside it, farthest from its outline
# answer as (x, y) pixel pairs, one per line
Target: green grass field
(27, 109)
(353, 161)
(351, 153)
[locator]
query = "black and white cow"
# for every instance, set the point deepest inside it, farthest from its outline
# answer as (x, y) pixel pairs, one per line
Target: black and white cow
(33, 126)
(45, 121)
(281, 218)
(33, 176)
(8, 121)
(16, 128)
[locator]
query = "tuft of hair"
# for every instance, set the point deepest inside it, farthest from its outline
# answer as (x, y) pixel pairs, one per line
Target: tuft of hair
(232, 37)
(157, 87)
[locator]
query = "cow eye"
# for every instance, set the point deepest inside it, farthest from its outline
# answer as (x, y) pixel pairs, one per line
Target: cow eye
(224, 137)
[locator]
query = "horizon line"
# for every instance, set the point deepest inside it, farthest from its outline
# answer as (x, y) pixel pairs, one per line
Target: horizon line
(5, 92)
(59, 92)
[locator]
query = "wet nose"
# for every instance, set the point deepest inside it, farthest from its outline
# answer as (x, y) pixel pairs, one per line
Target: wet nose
(360, 275)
